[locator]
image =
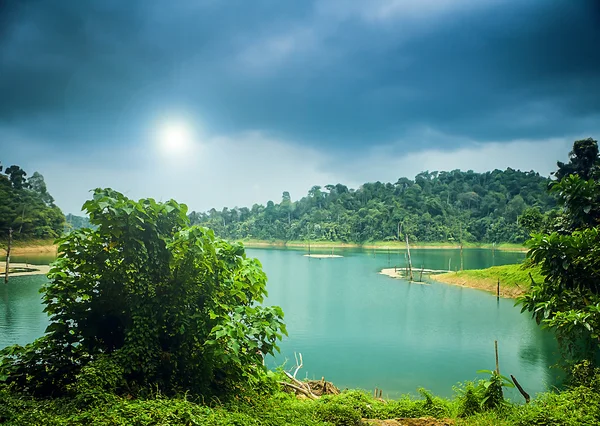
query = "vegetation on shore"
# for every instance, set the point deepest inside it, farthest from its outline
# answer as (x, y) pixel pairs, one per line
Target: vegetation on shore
(578, 404)
(27, 208)
(448, 207)
(378, 245)
(514, 279)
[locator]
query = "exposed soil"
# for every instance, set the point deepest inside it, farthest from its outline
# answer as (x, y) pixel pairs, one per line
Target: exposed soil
(30, 250)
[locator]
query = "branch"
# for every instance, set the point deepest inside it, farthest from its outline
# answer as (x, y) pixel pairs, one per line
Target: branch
(298, 364)
(299, 389)
(525, 394)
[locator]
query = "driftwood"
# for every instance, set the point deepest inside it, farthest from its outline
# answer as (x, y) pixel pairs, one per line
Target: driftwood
(518, 385)
(312, 389)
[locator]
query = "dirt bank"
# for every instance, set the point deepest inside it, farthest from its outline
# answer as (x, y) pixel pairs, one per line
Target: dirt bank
(30, 250)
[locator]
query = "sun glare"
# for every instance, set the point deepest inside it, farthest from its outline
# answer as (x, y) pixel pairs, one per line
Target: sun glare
(175, 137)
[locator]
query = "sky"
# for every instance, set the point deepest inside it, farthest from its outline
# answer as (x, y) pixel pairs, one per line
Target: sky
(230, 103)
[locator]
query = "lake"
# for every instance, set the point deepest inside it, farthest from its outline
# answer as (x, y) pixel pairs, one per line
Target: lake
(360, 329)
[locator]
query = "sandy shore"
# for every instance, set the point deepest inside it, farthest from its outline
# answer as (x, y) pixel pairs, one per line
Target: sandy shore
(400, 274)
(31, 269)
(490, 285)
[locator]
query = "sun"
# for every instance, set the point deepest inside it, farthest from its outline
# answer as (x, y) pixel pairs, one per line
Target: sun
(175, 137)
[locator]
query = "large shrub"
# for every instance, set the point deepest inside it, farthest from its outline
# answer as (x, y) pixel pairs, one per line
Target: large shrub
(170, 306)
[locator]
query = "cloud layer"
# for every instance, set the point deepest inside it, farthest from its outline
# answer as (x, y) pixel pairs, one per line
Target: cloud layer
(342, 89)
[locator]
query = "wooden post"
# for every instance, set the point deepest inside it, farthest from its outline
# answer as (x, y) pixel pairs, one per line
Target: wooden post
(421, 276)
(449, 264)
(409, 261)
(461, 249)
(10, 231)
(497, 364)
(498, 289)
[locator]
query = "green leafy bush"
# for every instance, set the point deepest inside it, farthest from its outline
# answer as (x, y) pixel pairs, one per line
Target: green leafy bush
(152, 304)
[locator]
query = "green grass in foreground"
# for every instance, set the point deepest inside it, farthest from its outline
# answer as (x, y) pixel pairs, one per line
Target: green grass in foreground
(575, 406)
(509, 275)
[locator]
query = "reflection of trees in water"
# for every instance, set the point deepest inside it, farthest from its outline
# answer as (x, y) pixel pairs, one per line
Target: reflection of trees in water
(21, 311)
(541, 349)
(7, 318)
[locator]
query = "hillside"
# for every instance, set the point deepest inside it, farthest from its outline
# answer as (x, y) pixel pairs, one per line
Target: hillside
(493, 207)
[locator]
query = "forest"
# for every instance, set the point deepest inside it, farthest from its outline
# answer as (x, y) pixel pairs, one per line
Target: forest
(26, 207)
(492, 207)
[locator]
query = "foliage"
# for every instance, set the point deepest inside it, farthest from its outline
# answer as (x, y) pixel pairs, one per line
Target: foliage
(27, 207)
(568, 299)
(578, 405)
(434, 207)
(493, 397)
(152, 302)
(583, 161)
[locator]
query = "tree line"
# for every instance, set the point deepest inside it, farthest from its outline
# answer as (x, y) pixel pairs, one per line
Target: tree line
(27, 207)
(448, 206)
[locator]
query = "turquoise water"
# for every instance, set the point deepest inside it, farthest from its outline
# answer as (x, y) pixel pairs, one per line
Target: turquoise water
(361, 329)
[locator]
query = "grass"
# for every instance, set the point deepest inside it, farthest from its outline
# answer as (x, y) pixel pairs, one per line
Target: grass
(514, 279)
(575, 406)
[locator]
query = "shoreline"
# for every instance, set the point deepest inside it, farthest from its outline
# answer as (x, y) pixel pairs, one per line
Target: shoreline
(33, 247)
(377, 245)
(29, 247)
(485, 284)
(27, 269)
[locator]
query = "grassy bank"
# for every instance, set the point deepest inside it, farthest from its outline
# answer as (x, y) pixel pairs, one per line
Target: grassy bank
(377, 245)
(575, 406)
(514, 279)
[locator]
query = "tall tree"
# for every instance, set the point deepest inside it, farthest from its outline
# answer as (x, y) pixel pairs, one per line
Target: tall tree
(16, 175)
(568, 300)
(583, 160)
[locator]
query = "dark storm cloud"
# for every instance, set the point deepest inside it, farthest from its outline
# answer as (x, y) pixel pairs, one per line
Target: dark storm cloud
(84, 72)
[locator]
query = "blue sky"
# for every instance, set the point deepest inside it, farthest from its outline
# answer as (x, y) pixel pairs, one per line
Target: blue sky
(282, 95)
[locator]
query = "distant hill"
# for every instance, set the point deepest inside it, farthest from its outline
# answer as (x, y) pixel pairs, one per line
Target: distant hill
(497, 206)
(27, 207)
(78, 222)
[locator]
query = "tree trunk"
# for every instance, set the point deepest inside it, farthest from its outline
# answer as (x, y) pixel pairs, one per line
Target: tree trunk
(10, 231)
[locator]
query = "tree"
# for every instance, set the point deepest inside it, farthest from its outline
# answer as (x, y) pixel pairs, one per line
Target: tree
(37, 184)
(569, 298)
(151, 301)
(286, 205)
(583, 160)
(16, 175)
